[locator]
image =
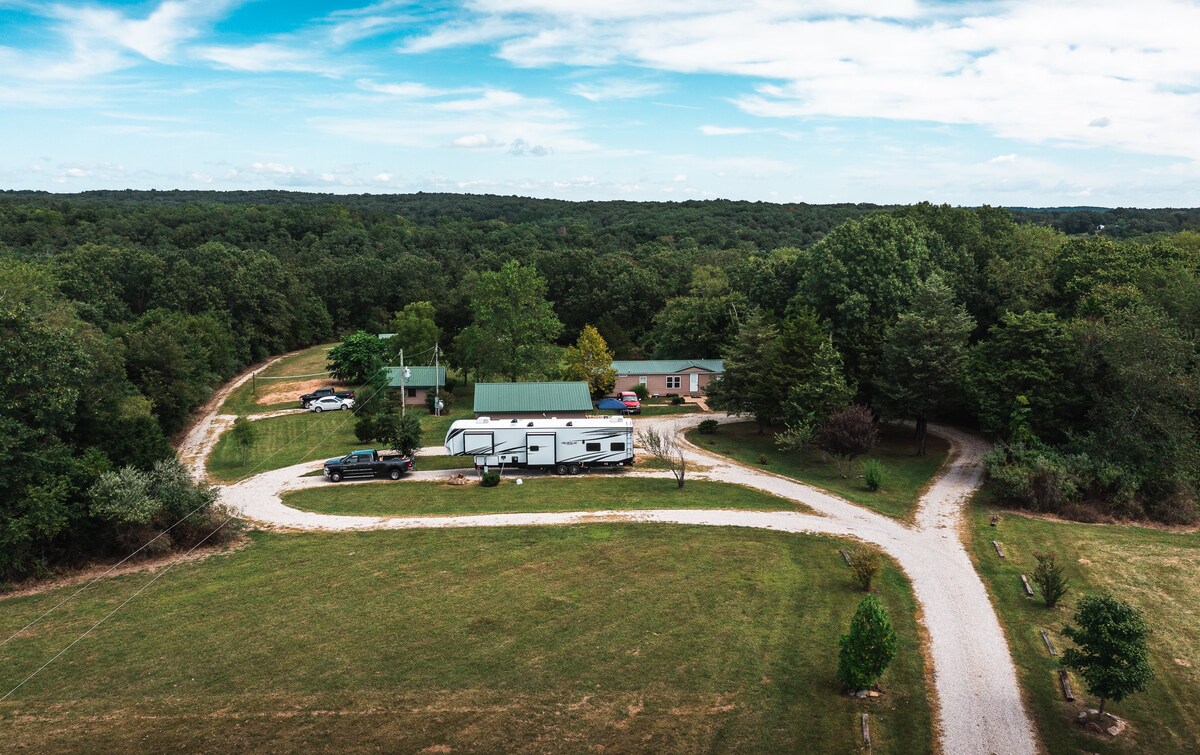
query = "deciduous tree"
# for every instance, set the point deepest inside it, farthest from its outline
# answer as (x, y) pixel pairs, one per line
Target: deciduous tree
(590, 360)
(848, 434)
(1112, 656)
(514, 327)
(356, 360)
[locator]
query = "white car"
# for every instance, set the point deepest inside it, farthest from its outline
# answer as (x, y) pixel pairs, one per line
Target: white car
(330, 404)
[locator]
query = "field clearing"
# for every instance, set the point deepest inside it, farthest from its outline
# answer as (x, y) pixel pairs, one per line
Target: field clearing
(281, 394)
(1152, 569)
(536, 494)
(907, 474)
(626, 637)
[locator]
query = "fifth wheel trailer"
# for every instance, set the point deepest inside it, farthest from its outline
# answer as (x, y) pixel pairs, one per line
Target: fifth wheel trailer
(563, 445)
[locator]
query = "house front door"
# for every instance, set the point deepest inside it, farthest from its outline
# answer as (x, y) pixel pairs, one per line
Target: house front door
(694, 382)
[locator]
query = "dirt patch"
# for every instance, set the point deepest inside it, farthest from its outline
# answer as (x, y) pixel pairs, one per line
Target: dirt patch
(90, 573)
(286, 390)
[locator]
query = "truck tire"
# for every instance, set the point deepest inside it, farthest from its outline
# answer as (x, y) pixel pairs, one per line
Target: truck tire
(573, 469)
(335, 476)
(561, 469)
(395, 474)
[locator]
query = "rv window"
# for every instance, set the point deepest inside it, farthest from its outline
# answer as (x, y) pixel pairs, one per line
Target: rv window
(617, 447)
(592, 446)
(534, 448)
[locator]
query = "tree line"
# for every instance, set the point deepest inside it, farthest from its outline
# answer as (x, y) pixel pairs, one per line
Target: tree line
(124, 310)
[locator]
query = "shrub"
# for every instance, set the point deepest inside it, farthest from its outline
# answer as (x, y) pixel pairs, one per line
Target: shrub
(865, 563)
(677, 401)
(762, 458)
(874, 474)
(451, 382)
(708, 426)
(848, 434)
(1048, 576)
(641, 391)
(869, 647)
(490, 479)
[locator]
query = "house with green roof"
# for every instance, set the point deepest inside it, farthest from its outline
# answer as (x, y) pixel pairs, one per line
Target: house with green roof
(418, 383)
(686, 377)
(532, 400)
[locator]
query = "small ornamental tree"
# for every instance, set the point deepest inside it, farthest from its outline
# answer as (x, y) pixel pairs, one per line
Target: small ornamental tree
(664, 447)
(869, 647)
(1112, 652)
(848, 434)
(243, 435)
(357, 359)
(1048, 576)
(590, 360)
(391, 430)
(865, 563)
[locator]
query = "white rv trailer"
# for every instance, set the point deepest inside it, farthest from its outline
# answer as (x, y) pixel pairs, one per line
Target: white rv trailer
(564, 445)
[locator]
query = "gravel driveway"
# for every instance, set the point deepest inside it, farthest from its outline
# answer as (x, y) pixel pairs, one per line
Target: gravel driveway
(978, 701)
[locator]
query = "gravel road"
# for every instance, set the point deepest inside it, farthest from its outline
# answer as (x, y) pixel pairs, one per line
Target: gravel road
(975, 685)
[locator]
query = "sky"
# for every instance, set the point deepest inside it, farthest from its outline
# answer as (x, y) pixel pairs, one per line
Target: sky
(1016, 103)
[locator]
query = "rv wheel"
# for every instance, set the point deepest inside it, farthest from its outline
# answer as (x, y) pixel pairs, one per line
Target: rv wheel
(560, 469)
(573, 469)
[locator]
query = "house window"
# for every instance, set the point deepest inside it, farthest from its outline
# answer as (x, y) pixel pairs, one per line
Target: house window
(674, 381)
(642, 380)
(592, 446)
(412, 392)
(617, 447)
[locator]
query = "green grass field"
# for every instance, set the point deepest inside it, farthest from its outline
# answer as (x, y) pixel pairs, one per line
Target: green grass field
(1151, 569)
(309, 361)
(630, 638)
(535, 494)
(907, 474)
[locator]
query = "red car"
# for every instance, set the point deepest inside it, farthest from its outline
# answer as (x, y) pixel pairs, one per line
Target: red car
(630, 400)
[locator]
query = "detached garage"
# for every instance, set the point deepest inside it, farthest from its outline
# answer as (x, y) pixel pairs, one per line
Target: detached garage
(532, 400)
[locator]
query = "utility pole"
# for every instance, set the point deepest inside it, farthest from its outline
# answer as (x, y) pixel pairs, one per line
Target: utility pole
(403, 391)
(437, 410)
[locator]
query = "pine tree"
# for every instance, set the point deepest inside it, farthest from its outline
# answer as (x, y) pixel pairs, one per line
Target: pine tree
(869, 647)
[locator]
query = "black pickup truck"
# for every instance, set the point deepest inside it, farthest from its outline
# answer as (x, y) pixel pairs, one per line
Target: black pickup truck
(368, 464)
(322, 392)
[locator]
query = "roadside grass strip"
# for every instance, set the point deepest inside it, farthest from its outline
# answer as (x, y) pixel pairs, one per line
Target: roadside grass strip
(907, 474)
(1151, 569)
(536, 494)
(627, 637)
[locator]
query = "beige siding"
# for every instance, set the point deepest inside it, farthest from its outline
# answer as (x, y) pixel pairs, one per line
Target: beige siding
(658, 383)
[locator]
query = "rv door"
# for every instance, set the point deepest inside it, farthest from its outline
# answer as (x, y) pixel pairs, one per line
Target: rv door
(539, 449)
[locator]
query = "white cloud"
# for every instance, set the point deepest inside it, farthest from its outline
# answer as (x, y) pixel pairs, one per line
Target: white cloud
(708, 130)
(475, 141)
(266, 57)
(492, 99)
(1092, 73)
(404, 89)
(616, 89)
(1003, 159)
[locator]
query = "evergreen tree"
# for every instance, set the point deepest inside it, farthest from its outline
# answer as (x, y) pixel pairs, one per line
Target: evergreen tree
(868, 648)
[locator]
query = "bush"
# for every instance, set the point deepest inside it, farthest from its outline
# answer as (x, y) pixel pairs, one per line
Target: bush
(677, 401)
(762, 459)
(451, 382)
(708, 426)
(1048, 576)
(446, 397)
(641, 391)
(874, 474)
(865, 563)
(490, 479)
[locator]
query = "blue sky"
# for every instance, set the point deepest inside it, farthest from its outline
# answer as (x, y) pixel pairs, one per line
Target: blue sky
(1004, 103)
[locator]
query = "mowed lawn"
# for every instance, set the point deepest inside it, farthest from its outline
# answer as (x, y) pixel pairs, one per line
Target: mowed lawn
(907, 474)
(631, 638)
(1151, 569)
(307, 362)
(311, 436)
(533, 495)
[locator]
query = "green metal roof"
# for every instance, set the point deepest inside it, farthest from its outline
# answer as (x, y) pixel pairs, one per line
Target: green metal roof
(418, 377)
(665, 366)
(532, 397)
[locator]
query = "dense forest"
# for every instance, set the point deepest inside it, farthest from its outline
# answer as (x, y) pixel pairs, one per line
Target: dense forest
(1071, 334)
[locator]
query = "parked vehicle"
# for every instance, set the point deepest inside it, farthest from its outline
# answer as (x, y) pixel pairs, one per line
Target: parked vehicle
(566, 446)
(368, 463)
(330, 404)
(612, 405)
(321, 393)
(631, 402)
